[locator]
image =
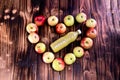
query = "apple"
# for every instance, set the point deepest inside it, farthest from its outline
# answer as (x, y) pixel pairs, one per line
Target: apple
(39, 20)
(92, 33)
(31, 27)
(78, 51)
(52, 20)
(69, 58)
(58, 64)
(81, 17)
(86, 43)
(40, 47)
(60, 28)
(69, 20)
(48, 57)
(91, 23)
(33, 37)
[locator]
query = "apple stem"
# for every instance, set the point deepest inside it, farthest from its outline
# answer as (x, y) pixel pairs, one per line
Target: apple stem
(59, 63)
(68, 18)
(52, 19)
(78, 50)
(48, 58)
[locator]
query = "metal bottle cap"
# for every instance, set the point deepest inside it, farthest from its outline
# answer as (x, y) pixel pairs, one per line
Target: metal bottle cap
(79, 31)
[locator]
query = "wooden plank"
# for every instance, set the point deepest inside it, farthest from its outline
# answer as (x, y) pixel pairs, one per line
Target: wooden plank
(19, 61)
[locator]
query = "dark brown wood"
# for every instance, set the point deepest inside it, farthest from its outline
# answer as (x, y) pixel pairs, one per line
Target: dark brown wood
(19, 61)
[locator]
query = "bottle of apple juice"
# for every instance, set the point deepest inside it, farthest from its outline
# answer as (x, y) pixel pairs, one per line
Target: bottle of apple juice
(64, 41)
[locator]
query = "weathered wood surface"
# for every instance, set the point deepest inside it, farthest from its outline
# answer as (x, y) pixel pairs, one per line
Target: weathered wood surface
(19, 61)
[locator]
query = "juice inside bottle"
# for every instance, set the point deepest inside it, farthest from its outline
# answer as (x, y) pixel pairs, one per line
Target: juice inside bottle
(64, 41)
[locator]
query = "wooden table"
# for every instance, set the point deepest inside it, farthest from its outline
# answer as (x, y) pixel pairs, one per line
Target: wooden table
(19, 61)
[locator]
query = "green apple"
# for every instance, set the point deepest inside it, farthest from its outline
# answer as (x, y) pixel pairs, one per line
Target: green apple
(86, 43)
(48, 57)
(69, 20)
(78, 51)
(31, 27)
(40, 47)
(81, 17)
(58, 64)
(69, 58)
(52, 20)
(91, 23)
(33, 37)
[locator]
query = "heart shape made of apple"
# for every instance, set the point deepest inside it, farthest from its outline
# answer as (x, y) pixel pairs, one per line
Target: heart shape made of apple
(58, 64)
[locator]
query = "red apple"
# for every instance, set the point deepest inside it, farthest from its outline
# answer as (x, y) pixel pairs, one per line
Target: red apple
(31, 27)
(40, 47)
(86, 43)
(33, 37)
(58, 64)
(39, 20)
(60, 28)
(92, 33)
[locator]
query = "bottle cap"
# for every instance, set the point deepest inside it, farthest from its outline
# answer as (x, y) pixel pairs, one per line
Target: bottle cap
(79, 31)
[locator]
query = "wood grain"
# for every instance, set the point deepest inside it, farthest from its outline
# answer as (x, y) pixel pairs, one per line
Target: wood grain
(19, 61)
